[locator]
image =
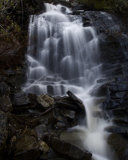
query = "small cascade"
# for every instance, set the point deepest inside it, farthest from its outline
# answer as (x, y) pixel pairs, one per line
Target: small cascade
(63, 55)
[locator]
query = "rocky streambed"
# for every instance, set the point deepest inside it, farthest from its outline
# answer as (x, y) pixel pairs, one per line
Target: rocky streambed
(31, 125)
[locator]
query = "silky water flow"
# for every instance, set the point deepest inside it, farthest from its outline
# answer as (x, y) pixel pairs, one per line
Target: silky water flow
(63, 55)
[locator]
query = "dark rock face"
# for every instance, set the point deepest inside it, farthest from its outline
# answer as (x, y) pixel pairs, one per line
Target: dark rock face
(120, 146)
(5, 102)
(26, 147)
(3, 129)
(112, 40)
(12, 57)
(4, 89)
(21, 99)
(66, 149)
(3, 134)
(71, 102)
(115, 106)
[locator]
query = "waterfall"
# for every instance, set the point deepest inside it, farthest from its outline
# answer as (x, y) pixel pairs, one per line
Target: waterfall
(63, 55)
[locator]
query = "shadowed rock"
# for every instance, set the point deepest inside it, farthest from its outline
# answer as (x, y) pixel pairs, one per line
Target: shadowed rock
(76, 100)
(120, 146)
(67, 150)
(3, 133)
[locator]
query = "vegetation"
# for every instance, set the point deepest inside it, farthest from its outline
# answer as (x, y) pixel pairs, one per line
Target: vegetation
(118, 6)
(9, 29)
(14, 15)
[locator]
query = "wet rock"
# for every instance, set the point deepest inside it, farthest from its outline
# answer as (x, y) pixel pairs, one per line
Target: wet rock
(111, 37)
(119, 112)
(45, 101)
(116, 104)
(67, 150)
(43, 147)
(56, 121)
(21, 99)
(70, 104)
(51, 155)
(3, 131)
(60, 125)
(118, 130)
(5, 104)
(116, 101)
(69, 114)
(120, 146)
(40, 130)
(21, 121)
(63, 9)
(76, 100)
(27, 147)
(120, 87)
(100, 90)
(65, 118)
(4, 89)
(122, 121)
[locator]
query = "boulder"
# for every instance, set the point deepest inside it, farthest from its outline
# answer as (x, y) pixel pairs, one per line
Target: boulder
(67, 150)
(45, 101)
(69, 114)
(76, 100)
(64, 118)
(70, 103)
(120, 146)
(27, 147)
(43, 147)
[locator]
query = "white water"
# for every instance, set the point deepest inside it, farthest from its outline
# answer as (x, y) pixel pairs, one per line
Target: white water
(63, 55)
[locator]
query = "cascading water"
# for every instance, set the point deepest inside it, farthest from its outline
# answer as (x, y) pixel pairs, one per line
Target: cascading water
(63, 55)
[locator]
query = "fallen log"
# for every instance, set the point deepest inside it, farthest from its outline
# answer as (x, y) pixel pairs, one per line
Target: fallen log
(67, 106)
